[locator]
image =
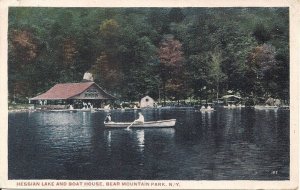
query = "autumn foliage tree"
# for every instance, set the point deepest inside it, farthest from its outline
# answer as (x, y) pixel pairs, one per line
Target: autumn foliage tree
(261, 66)
(171, 67)
(25, 49)
(105, 74)
(211, 51)
(69, 51)
(25, 45)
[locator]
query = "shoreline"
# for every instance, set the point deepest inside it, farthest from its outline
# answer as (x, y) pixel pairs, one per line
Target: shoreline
(30, 109)
(20, 107)
(19, 110)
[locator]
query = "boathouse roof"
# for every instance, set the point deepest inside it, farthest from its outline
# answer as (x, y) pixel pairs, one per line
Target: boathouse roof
(65, 91)
(231, 96)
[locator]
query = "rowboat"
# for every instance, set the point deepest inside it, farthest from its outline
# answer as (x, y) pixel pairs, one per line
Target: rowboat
(284, 107)
(266, 107)
(207, 109)
(146, 124)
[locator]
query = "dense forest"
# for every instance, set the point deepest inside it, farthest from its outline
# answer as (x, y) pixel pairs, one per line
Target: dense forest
(171, 53)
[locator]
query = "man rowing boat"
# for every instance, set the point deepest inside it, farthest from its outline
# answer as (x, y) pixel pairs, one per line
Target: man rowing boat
(140, 120)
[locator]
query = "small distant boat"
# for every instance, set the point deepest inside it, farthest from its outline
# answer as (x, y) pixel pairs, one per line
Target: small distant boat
(266, 107)
(284, 107)
(58, 110)
(146, 124)
(124, 109)
(206, 109)
(102, 109)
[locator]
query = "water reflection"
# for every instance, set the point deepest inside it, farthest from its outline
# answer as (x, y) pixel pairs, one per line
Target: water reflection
(225, 144)
(84, 118)
(107, 134)
(137, 136)
(206, 118)
(58, 118)
(140, 134)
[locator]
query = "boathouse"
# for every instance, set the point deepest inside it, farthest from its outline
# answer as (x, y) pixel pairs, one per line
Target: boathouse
(79, 95)
(147, 102)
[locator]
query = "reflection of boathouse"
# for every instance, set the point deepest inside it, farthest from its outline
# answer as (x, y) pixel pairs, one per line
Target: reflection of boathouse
(76, 94)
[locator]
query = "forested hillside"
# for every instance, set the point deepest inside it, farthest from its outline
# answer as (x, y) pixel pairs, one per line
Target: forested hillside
(180, 53)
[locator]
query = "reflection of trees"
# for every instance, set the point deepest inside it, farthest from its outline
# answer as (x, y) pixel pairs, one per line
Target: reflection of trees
(248, 121)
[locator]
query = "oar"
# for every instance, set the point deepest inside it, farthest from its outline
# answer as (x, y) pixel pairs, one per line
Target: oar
(130, 125)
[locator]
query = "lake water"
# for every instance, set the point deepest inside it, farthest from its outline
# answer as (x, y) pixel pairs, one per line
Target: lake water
(228, 144)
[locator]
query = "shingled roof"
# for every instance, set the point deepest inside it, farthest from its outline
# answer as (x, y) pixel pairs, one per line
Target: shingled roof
(68, 90)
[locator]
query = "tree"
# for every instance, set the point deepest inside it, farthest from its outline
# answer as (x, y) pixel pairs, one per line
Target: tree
(176, 15)
(261, 33)
(216, 74)
(171, 66)
(198, 69)
(158, 18)
(109, 29)
(261, 65)
(105, 74)
(131, 55)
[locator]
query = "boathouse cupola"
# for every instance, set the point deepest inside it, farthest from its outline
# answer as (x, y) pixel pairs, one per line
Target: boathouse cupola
(88, 77)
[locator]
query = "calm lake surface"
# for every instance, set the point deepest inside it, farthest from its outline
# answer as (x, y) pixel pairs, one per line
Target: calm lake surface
(228, 144)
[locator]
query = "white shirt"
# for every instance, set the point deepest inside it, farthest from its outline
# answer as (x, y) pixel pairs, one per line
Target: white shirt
(141, 118)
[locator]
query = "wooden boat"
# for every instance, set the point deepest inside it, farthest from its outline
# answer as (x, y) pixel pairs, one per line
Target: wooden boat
(103, 109)
(146, 124)
(284, 107)
(266, 107)
(207, 109)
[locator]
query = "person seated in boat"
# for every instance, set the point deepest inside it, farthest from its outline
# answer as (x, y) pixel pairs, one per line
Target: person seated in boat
(107, 118)
(202, 107)
(141, 119)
